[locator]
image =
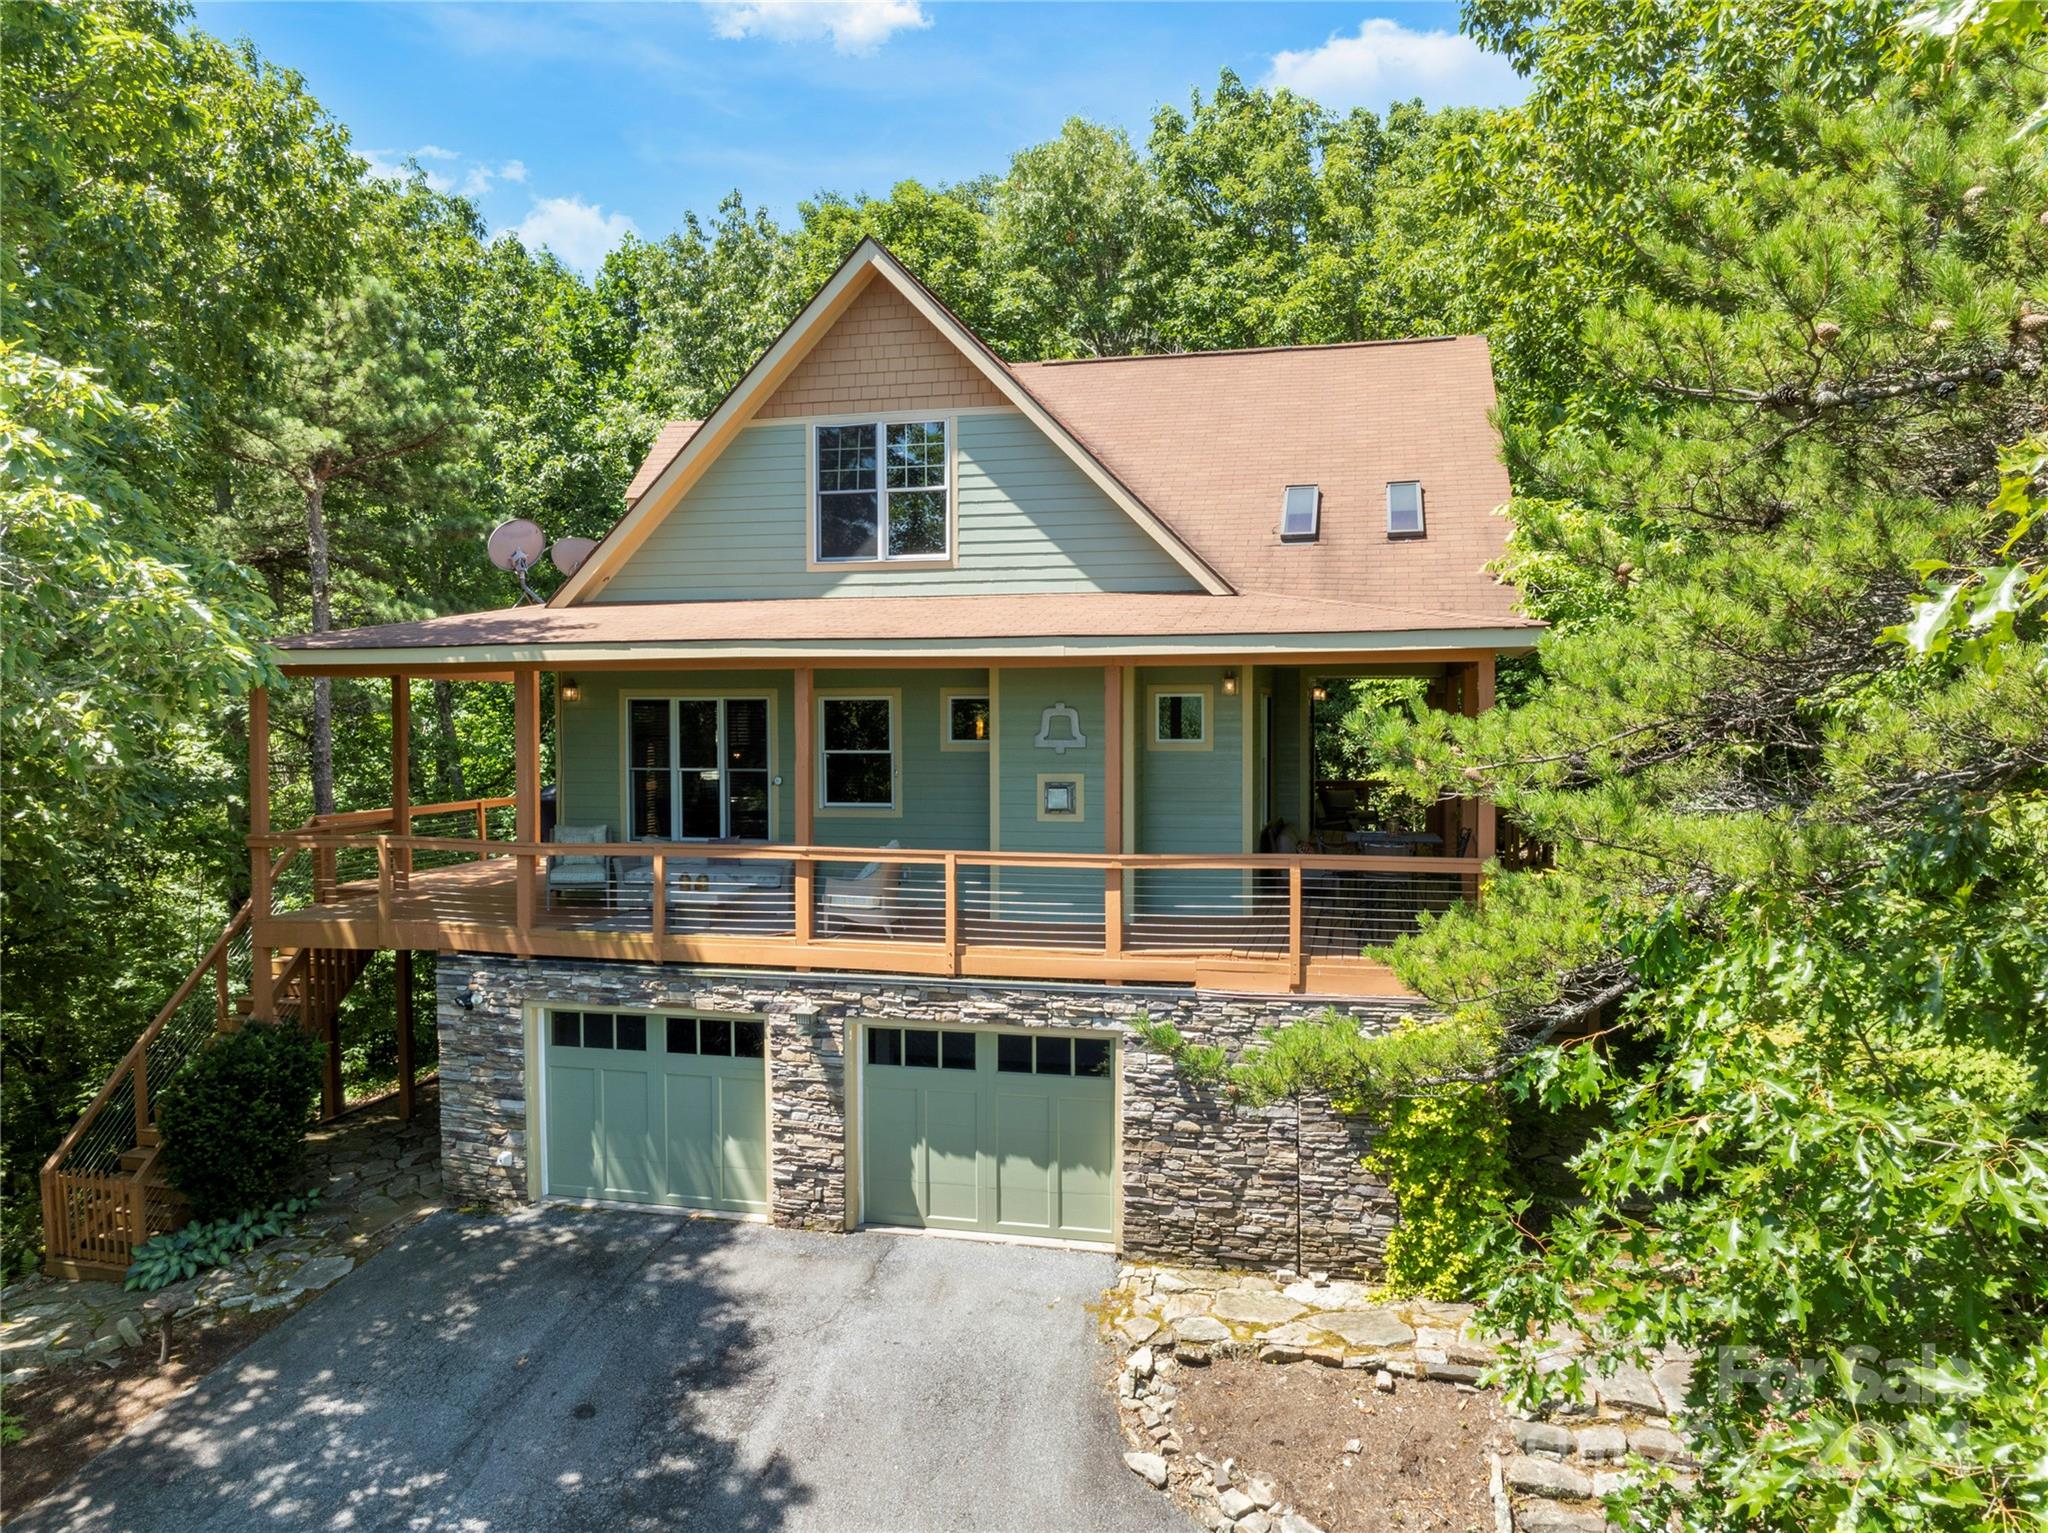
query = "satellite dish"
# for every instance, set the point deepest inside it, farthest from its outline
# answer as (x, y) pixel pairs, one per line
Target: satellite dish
(516, 544)
(569, 553)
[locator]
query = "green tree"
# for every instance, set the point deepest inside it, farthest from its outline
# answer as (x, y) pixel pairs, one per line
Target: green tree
(356, 398)
(1802, 857)
(1083, 240)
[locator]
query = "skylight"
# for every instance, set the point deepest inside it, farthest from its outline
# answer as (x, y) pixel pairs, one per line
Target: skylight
(1404, 509)
(1300, 507)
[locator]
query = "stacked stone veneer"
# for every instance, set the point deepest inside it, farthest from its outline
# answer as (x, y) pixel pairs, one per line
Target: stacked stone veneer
(1203, 1180)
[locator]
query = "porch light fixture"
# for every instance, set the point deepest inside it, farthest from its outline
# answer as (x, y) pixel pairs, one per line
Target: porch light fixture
(1319, 693)
(466, 998)
(1230, 683)
(571, 692)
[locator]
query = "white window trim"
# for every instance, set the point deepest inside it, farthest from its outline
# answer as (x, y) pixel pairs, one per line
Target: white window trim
(947, 697)
(1207, 693)
(1421, 511)
(881, 558)
(893, 696)
(770, 696)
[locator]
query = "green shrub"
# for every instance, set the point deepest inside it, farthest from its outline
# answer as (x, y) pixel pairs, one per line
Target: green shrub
(234, 1120)
(167, 1259)
(1444, 1157)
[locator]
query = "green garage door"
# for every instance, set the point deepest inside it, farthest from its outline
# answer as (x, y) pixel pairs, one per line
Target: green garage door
(1003, 1132)
(644, 1109)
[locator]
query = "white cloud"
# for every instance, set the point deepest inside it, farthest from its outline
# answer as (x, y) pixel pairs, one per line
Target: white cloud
(514, 171)
(435, 152)
(855, 26)
(403, 164)
(1385, 61)
(579, 232)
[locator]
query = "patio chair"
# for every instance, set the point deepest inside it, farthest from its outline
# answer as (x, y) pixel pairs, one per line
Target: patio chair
(578, 871)
(866, 898)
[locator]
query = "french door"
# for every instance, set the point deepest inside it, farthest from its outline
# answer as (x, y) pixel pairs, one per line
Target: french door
(697, 768)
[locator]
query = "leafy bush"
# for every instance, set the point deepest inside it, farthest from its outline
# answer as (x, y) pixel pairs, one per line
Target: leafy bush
(1444, 1157)
(197, 1248)
(234, 1119)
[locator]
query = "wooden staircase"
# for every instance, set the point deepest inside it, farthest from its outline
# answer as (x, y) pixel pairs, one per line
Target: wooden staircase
(103, 1190)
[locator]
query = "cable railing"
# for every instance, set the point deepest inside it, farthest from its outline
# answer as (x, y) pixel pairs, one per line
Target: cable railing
(1303, 921)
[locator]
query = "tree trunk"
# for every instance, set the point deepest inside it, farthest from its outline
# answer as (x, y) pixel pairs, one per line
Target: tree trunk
(323, 620)
(447, 754)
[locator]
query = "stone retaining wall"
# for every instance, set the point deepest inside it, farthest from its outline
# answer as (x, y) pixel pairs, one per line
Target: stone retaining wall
(1203, 1181)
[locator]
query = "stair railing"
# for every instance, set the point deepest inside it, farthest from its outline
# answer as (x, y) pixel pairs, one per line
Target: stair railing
(91, 1209)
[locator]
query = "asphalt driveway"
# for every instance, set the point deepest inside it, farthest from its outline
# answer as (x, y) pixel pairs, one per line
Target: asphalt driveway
(573, 1369)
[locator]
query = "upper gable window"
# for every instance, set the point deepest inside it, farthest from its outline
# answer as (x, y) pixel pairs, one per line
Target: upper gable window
(1300, 513)
(1404, 509)
(891, 504)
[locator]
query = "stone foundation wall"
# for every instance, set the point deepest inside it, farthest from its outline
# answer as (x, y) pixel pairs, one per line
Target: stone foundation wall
(1203, 1181)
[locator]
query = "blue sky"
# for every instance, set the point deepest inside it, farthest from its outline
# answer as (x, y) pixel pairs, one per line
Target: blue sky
(577, 123)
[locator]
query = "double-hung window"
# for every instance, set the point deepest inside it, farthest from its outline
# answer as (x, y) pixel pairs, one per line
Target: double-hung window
(857, 752)
(884, 491)
(697, 768)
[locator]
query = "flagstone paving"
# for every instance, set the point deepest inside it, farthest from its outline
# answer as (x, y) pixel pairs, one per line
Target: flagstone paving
(1566, 1453)
(374, 1173)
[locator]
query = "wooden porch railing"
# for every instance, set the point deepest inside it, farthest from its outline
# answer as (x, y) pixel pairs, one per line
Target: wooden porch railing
(1268, 922)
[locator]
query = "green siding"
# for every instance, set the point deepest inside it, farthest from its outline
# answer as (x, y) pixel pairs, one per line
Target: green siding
(1026, 693)
(1287, 742)
(591, 735)
(1191, 801)
(943, 795)
(1029, 520)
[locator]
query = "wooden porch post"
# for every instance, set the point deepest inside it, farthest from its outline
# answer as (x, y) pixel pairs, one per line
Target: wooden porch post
(1479, 698)
(401, 771)
(806, 800)
(403, 959)
(262, 960)
(1113, 808)
(526, 784)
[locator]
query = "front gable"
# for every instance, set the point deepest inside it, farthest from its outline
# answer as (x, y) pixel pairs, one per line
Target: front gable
(881, 357)
(733, 513)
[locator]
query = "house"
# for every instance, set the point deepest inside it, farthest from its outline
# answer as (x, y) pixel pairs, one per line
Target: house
(924, 718)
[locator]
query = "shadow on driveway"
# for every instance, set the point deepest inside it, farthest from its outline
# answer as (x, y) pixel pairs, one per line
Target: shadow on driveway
(580, 1369)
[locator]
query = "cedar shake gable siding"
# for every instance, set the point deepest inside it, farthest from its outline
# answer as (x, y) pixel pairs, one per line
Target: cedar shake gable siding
(881, 357)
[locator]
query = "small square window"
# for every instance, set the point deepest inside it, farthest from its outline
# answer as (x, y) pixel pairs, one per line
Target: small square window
(1180, 718)
(921, 1048)
(956, 1051)
(885, 1045)
(597, 1030)
(1091, 1056)
(633, 1033)
(966, 719)
(1055, 1056)
(1013, 1053)
(1300, 513)
(1059, 798)
(682, 1035)
(1404, 509)
(714, 1036)
(748, 1040)
(565, 1029)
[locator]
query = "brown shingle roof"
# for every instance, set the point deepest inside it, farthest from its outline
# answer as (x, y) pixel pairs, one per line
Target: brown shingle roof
(1209, 440)
(670, 440)
(942, 619)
